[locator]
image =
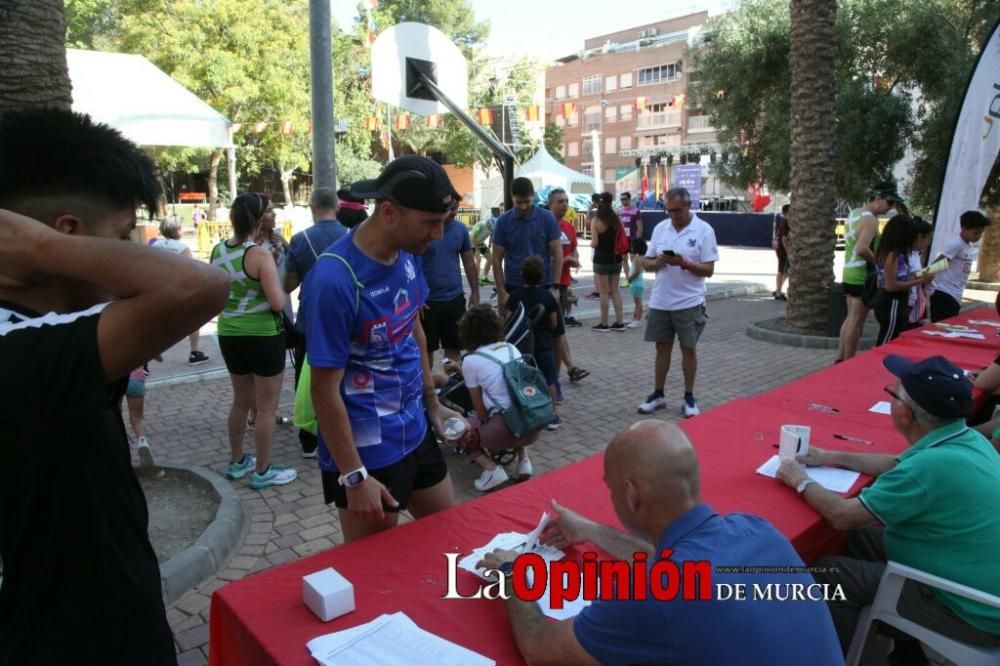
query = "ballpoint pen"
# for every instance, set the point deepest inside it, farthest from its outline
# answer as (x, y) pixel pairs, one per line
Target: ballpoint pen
(856, 440)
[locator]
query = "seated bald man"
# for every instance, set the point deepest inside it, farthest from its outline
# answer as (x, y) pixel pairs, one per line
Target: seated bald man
(651, 471)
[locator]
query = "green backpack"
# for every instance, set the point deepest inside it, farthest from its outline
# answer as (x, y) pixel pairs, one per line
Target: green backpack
(530, 405)
(304, 415)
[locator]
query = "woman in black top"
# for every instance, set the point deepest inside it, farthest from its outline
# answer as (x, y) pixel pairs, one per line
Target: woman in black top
(607, 265)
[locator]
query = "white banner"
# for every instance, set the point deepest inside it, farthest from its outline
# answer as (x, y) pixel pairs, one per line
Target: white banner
(974, 147)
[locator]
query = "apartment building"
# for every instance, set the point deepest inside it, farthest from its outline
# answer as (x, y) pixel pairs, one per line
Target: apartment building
(624, 96)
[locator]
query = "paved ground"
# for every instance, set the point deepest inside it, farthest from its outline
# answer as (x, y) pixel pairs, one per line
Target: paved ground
(186, 423)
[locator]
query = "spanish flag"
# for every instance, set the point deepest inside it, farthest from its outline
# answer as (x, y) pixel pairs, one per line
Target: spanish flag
(678, 101)
(640, 104)
(485, 116)
(371, 122)
(259, 127)
(532, 114)
(569, 108)
(286, 126)
(403, 121)
(433, 121)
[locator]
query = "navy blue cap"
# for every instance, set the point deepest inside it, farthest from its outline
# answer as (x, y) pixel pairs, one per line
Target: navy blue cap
(935, 383)
(412, 181)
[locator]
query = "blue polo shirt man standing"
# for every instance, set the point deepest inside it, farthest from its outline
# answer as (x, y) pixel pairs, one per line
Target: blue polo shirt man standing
(446, 300)
(521, 232)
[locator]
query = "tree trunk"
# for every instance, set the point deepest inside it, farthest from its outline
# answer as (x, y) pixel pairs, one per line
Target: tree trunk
(213, 182)
(812, 219)
(989, 253)
(33, 70)
(286, 181)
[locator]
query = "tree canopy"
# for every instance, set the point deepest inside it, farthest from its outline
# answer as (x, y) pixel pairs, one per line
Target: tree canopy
(902, 66)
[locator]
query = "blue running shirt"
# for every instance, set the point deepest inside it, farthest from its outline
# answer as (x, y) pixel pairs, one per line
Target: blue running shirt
(383, 378)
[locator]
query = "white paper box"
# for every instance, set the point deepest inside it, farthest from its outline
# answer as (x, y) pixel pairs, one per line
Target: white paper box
(327, 594)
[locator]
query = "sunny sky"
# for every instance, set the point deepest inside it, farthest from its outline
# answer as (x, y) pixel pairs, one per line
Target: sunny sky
(550, 29)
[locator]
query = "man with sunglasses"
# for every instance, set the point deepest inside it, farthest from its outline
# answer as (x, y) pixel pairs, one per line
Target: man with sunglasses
(682, 252)
(933, 507)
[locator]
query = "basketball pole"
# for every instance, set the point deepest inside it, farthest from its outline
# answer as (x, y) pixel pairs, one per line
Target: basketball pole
(500, 151)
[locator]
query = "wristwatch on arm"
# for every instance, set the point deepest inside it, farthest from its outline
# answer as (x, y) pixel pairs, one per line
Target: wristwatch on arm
(353, 479)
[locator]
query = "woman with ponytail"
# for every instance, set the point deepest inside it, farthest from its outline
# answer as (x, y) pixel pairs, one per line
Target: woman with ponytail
(252, 341)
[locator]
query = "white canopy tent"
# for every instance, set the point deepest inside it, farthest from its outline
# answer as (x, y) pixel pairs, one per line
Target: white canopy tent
(544, 171)
(145, 104)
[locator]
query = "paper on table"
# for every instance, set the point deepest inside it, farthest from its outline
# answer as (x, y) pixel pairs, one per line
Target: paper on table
(881, 407)
(832, 478)
(985, 322)
(525, 543)
(389, 640)
(971, 334)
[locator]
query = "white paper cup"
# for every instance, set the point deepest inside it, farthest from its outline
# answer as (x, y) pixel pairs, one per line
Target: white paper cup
(794, 441)
(454, 428)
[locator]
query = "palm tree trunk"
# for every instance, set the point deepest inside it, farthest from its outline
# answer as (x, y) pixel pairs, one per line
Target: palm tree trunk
(812, 219)
(33, 70)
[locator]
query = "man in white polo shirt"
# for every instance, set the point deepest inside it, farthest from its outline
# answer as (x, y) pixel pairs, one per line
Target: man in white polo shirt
(682, 252)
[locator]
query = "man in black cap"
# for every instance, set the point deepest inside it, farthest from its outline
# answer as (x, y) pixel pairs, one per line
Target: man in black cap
(933, 507)
(371, 381)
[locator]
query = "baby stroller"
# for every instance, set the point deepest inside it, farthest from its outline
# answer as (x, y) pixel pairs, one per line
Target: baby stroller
(518, 332)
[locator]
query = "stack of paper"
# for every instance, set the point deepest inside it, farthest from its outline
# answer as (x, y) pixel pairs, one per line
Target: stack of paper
(832, 478)
(391, 640)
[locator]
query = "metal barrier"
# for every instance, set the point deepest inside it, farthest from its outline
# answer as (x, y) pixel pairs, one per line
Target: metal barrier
(211, 233)
(468, 216)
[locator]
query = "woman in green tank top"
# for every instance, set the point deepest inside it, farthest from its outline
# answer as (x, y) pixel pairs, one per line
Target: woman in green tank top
(252, 341)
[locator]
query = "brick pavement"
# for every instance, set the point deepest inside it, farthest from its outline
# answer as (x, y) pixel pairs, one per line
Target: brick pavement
(187, 424)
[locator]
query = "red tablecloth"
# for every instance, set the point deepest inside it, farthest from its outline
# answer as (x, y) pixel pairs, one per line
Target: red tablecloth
(262, 620)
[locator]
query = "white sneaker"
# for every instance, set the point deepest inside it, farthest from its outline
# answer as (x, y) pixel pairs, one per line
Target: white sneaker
(145, 453)
(653, 403)
(635, 323)
(524, 469)
(690, 408)
(491, 478)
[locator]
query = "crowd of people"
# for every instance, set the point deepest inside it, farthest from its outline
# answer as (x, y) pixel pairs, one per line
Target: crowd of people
(378, 294)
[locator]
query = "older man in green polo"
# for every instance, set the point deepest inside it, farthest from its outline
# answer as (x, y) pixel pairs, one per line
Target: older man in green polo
(938, 502)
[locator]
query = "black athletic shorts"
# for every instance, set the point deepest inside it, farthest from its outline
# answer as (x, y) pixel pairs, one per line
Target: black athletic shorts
(854, 290)
(261, 355)
(423, 468)
(440, 321)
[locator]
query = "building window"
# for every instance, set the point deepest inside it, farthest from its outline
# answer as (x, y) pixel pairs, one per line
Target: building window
(574, 90)
(625, 80)
(611, 83)
(574, 149)
(587, 154)
(625, 111)
(587, 170)
(610, 145)
(610, 114)
(592, 84)
(560, 121)
(560, 92)
(592, 118)
(625, 143)
(660, 74)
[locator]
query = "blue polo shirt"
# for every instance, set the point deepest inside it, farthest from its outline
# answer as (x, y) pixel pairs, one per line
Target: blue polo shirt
(303, 249)
(373, 343)
(522, 237)
(716, 632)
(442, 267)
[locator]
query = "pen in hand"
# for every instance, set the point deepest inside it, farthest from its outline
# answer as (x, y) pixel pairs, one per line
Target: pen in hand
(856, 440)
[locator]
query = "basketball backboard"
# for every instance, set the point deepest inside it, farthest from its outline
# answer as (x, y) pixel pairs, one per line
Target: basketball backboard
(406, 47)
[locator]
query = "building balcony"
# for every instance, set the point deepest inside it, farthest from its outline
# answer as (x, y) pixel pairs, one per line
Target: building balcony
(700, 124)
(661, 120)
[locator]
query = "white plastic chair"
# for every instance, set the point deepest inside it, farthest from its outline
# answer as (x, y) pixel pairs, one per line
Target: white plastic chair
(884, 610)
